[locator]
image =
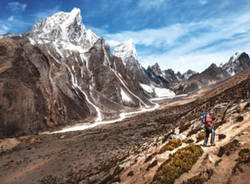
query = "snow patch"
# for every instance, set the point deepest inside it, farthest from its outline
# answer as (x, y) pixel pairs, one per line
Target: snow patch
(212, 82)
(163, 98)
(158, 92)
(236, 56)
(147, 88)
(163, 92)
(126, 50)
(125, 97)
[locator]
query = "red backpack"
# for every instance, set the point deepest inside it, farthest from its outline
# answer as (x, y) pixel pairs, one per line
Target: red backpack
(209, 118)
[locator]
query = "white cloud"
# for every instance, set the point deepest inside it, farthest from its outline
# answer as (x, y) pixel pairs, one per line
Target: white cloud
(11, 18)
(3, 29)
(181, 59)
(194, 45)
(151, 37)
(17, 6)
(43, 14)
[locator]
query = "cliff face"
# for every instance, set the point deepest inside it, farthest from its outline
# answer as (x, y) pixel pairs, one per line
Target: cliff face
(41, 90)
(30, 99)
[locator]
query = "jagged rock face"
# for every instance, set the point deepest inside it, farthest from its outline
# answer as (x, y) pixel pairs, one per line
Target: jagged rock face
(170, 76)
(34, 91)
(153, 75)
(179, 76)
(189, 74)
(167, 78)
(237, 63)
(158, 80)
(213, 71)
(138, 72)
(156, 69)
(111, 78)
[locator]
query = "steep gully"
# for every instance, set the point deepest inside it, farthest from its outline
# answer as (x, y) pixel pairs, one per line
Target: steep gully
(77, 87)
(99, 117)
(98, 120)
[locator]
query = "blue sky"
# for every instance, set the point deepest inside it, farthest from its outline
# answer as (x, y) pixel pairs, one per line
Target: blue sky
(178, 34)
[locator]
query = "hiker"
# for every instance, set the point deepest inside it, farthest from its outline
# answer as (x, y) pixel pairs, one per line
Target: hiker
(207, 121)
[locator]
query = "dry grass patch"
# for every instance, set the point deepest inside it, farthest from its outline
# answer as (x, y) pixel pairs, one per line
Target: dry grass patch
(177, 164)
(171, 145)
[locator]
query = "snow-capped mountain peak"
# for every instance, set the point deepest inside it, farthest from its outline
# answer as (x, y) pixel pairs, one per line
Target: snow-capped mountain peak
(63, 27)
(235, 56)
(126, 50)
(238, 62)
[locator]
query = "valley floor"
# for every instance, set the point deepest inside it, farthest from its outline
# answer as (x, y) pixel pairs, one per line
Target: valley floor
(88, 154)
(134, 150)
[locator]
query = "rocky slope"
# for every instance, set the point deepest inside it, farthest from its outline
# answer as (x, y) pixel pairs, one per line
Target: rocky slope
(153, 147)
(178, 161)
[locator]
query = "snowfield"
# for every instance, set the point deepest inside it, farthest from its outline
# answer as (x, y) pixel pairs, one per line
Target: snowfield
(147, 88)
(158, 92)
(125, 97)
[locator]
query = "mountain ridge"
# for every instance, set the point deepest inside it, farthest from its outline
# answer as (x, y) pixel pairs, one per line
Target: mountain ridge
(77, 68)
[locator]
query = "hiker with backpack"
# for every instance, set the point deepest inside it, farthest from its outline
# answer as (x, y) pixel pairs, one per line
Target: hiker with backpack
(207, 121)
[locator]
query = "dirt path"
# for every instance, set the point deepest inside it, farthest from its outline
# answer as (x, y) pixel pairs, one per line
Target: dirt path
(141, 168)
(209, 160)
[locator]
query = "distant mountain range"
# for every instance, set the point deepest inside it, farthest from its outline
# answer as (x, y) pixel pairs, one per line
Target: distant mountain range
(61, 73)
